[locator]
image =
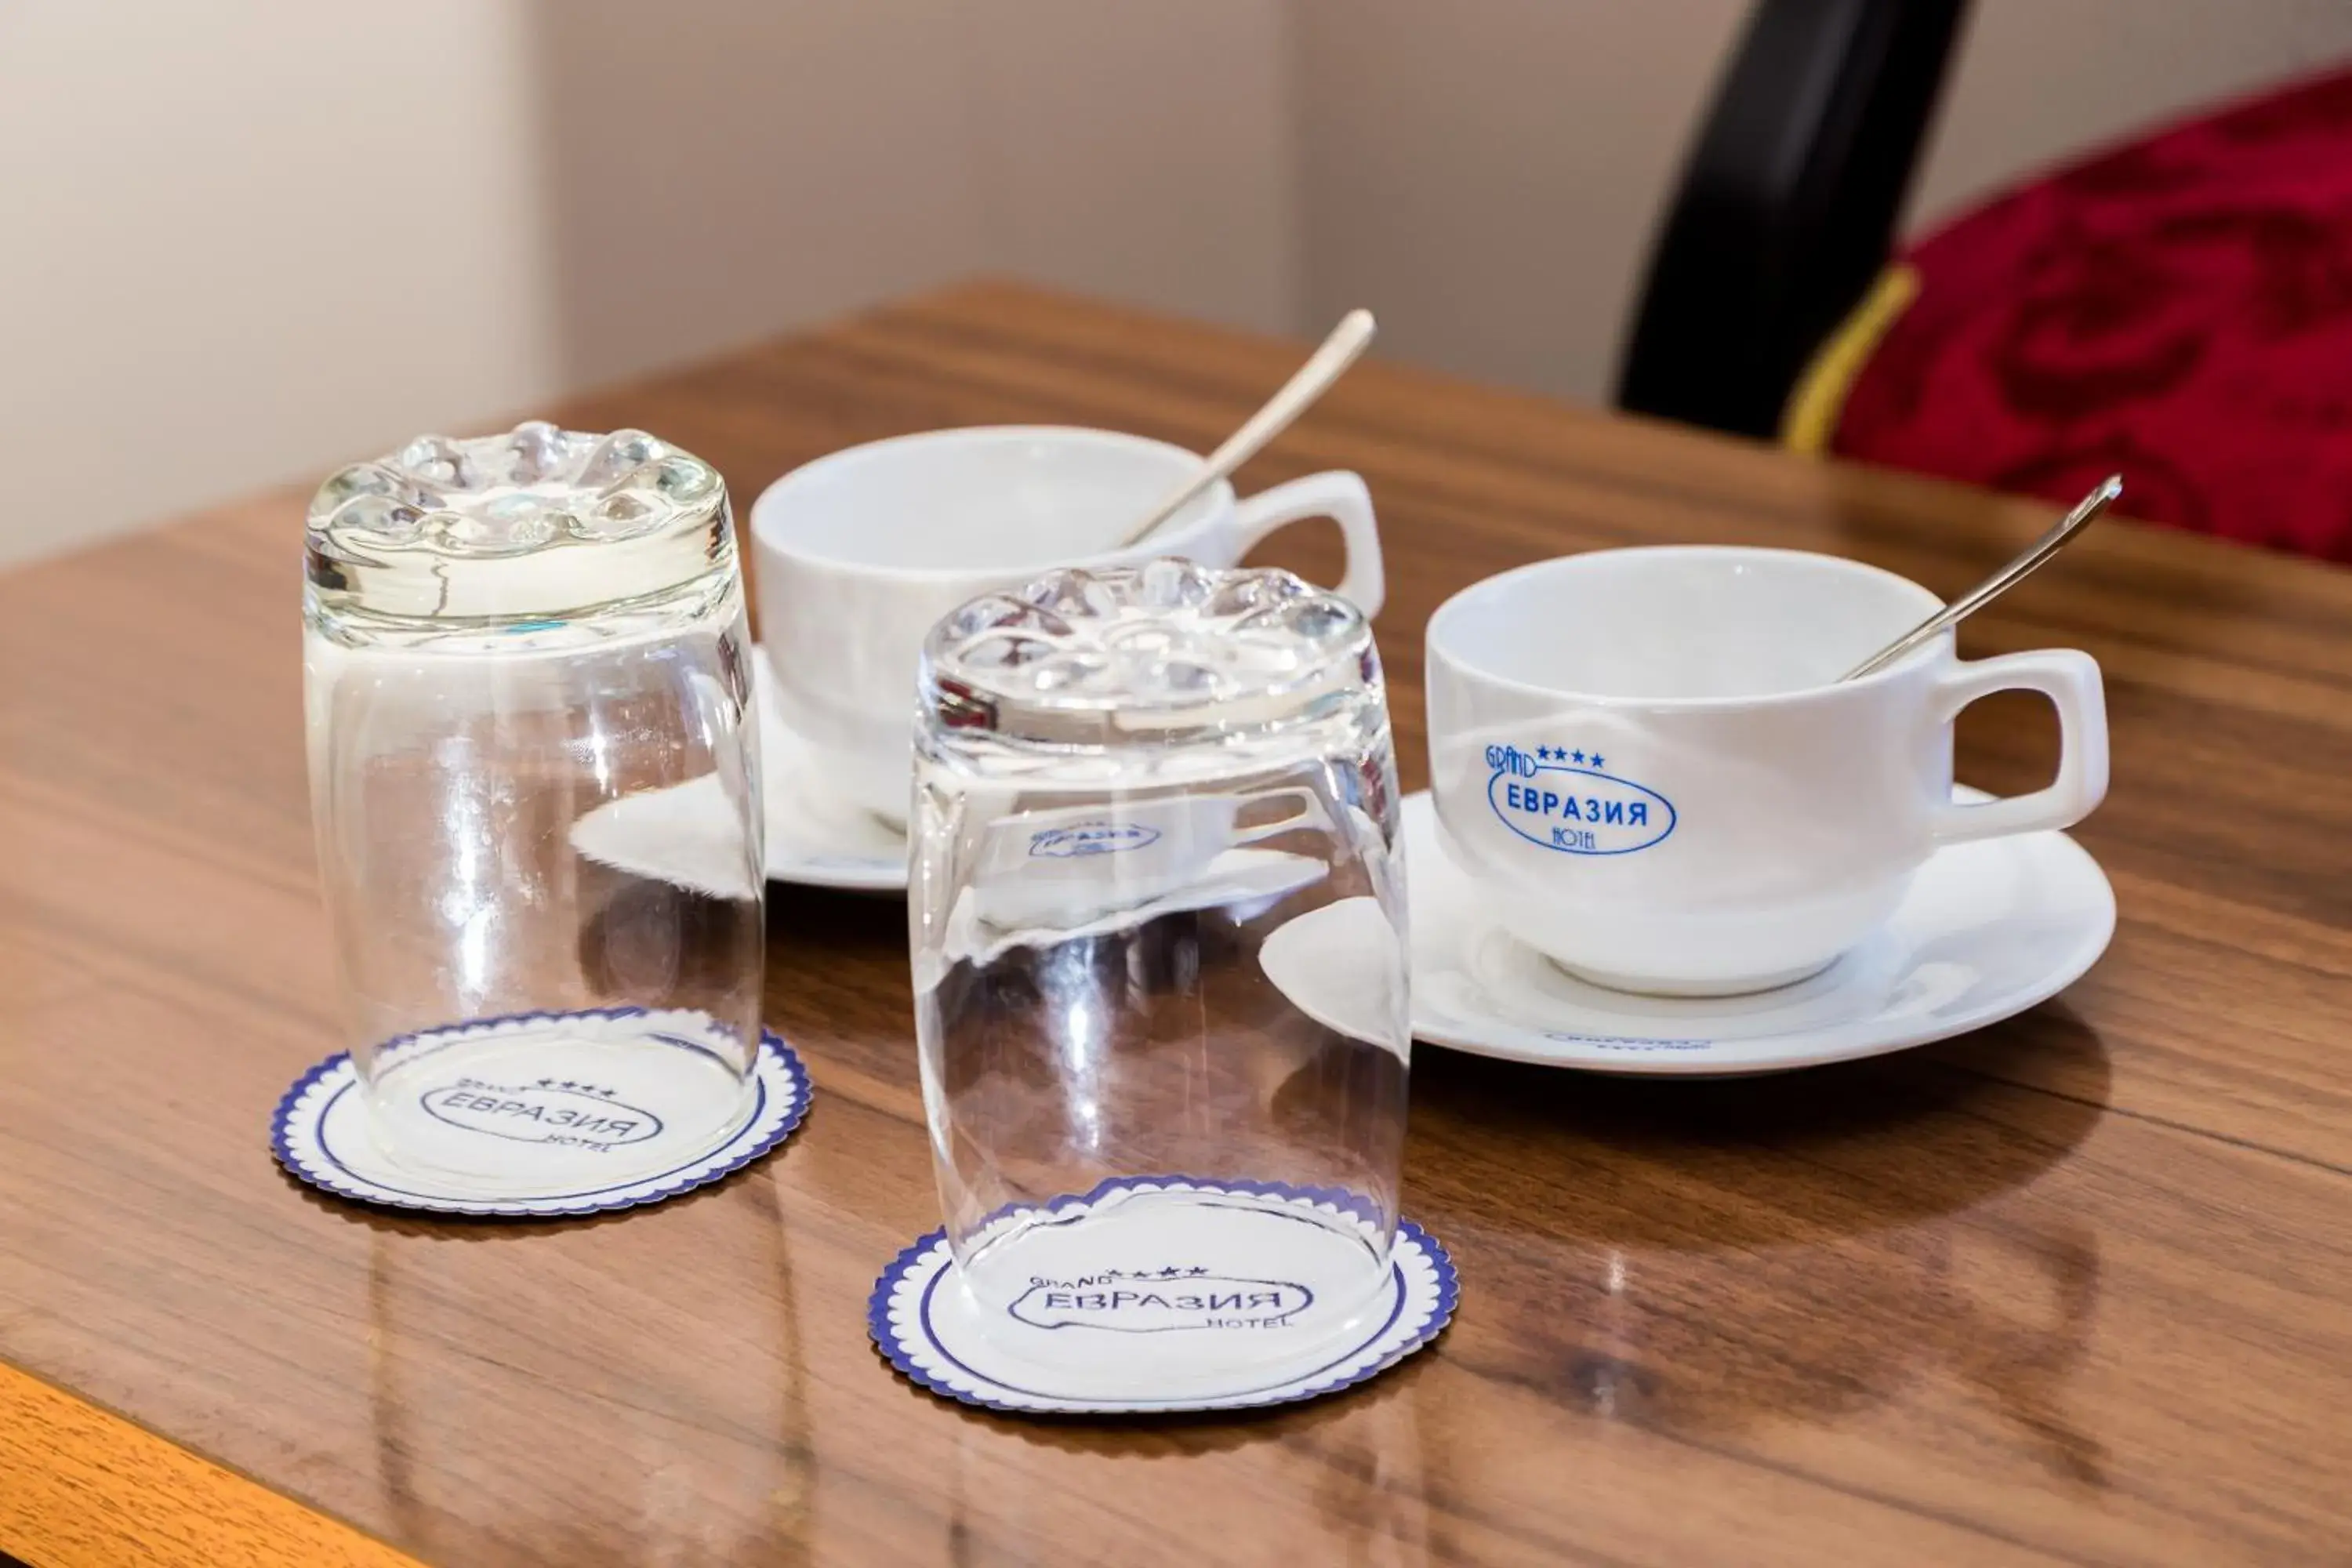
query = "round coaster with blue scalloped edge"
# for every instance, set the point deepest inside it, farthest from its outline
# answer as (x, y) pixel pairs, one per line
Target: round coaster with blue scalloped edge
(1197, 1295)
(541, 1115)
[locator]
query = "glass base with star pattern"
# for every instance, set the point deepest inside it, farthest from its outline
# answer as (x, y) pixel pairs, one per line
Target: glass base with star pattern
(550, 1101)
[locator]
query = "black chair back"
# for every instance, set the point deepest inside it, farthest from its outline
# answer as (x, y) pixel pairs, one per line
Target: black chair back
(1787, 208)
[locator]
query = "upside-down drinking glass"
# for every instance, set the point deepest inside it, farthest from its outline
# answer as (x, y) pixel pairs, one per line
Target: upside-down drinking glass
(1157, 929)
(517, 648)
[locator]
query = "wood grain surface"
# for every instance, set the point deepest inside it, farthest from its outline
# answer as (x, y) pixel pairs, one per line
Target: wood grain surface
(2072, 1289)
(88, 1489)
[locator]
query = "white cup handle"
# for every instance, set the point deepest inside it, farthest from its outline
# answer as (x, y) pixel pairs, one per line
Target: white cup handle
(2071, 681)
(1309, 815)
(1339, 496)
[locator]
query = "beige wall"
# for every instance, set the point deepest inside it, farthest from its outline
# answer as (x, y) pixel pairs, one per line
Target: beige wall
(239, 240)
(1484, 174)
(2037, 79)
(246, 240)
(775, 163)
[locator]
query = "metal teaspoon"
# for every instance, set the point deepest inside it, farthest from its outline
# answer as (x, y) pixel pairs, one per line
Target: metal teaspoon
(1347, 343)
(2000, 582)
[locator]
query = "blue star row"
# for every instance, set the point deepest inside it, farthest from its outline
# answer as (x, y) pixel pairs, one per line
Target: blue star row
(577, 1088)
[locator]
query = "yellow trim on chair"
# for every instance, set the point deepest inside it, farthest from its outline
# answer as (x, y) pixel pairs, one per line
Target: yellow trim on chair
(1819, 397)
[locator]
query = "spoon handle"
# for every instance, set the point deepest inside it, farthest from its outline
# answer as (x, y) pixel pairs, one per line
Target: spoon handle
(1346, 344)
(2000, 582)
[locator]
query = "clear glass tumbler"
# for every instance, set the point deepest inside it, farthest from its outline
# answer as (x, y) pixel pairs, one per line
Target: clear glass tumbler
(1158, 929)
(519, 648)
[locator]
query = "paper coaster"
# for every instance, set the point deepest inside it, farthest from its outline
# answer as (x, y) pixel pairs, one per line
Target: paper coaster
(1165, 1294)
(541, 1115)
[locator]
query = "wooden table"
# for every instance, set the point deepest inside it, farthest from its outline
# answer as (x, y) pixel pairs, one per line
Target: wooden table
(2073, 1288)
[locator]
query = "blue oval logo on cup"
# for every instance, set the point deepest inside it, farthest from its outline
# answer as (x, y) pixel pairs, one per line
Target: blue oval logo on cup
(1156, 1301)
(551, 1110)
(1090, 838)
(1558, 797)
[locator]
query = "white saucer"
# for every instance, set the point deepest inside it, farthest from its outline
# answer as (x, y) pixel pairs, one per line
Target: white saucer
(1987, 931)
(687, 835)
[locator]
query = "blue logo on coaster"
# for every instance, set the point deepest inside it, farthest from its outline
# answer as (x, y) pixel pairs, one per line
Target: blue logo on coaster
(1560, 799)
(960, 1344)
(551, 1110)
(1157, 1301)
(1091, 838)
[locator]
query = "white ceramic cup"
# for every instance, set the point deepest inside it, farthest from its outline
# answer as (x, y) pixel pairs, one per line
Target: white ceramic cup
(1645, 757)
(855, 556)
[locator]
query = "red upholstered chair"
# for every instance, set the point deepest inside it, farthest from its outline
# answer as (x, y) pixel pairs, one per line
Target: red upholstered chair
(2178, 308)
